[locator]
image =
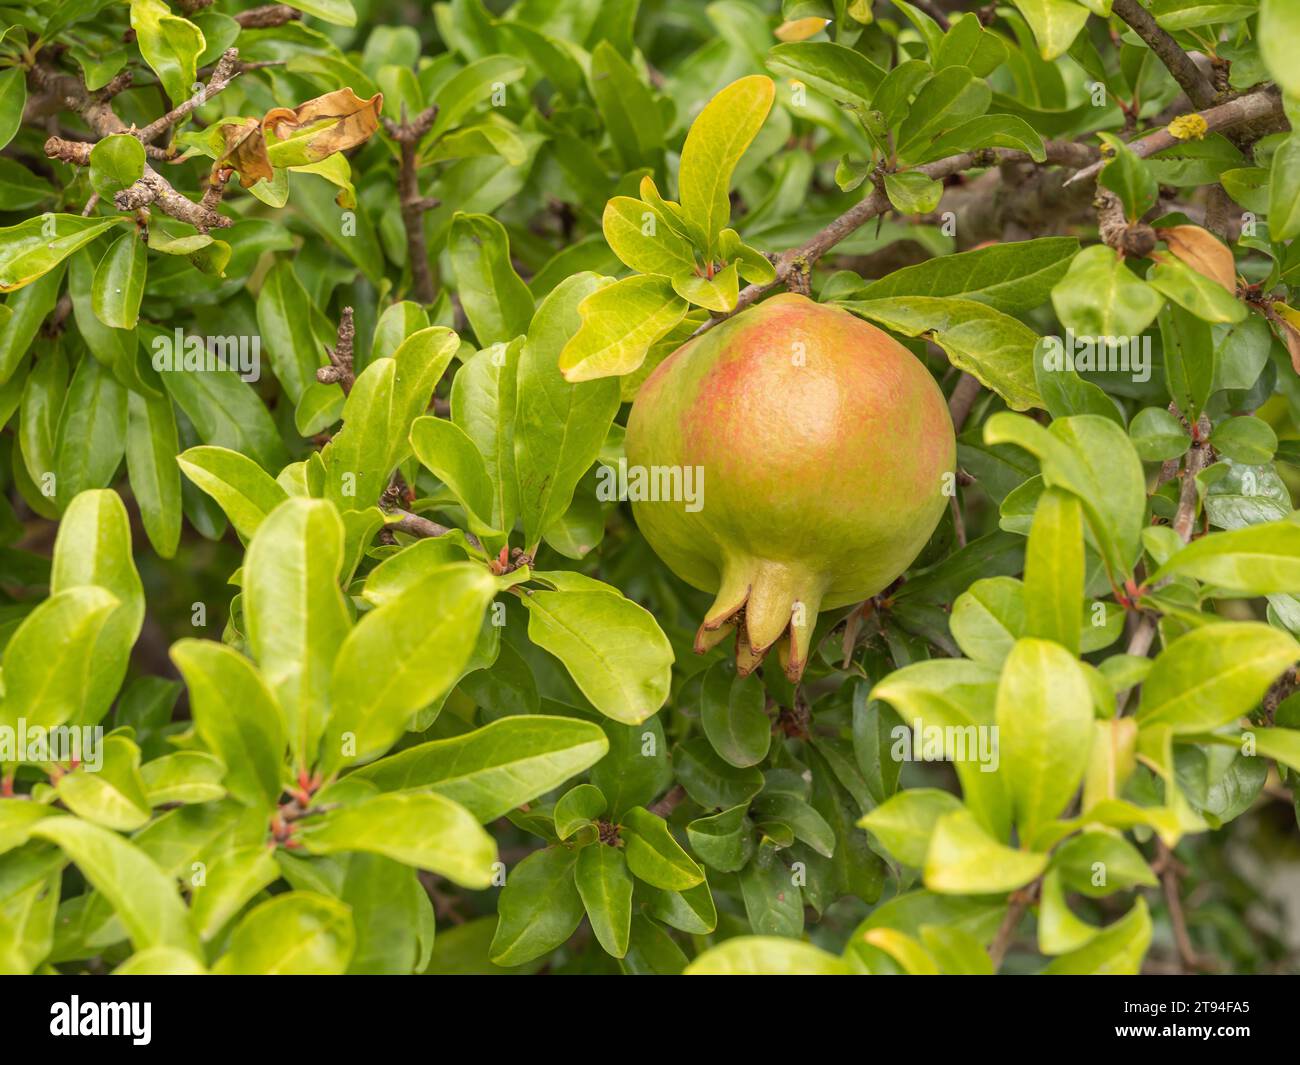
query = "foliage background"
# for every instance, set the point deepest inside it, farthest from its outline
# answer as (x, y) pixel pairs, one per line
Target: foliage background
(548, 110)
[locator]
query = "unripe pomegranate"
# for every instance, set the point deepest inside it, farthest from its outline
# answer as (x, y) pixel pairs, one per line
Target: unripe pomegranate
(823, 443)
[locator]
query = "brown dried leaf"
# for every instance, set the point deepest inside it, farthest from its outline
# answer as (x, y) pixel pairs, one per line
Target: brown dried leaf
(1287, 320)
(317, 129)
(1204, 253)
(245, 151)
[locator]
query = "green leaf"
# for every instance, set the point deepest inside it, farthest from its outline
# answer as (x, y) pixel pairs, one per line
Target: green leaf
(732, 711)
(497, 303)
(912, 192)
(905, 822)
(236, 718)
(483, 405)
(113, 795)
(1127, 177)
(292, 329)
(987, 131)
(619, 323)
(245, 492)
(445, 449)
(994, 347)
(337, 12)
(1194, 292)
(948, 99)
(1158, 435)
(653, 855)
(13, 98)
(299, 933)
(141, 894)
(1117, 949)
(841, 73)
(1092, 458)
(1055, 23)
(1214, 674)
(170, 45)
(964, 860)
(631, 114)
(577, 808)
(605, 886)
(91, 435)
(1013, 277)
(717, 139)
(233, 881)
(1279, 37)
(294, 613)
(116, 161)
(493, 769)
(1054, 570)
(183, 777)
(766, 956)
(1248, 440)
(49, 666)
(612, 647)
(540, 907)
(641, 238)
(38, 245)
(417, 828)
(725, 841)
(383, 404)
(151, 447)
(988, 618)
(388, 668)
(559, 426)
(1045, 728)
(1256, 560)
(1101, 297)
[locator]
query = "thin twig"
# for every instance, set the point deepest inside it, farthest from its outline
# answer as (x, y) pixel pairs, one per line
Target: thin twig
(1193, 81)
(340, 370)
(227, 70)
(799, 261)
(1018, 904)
(1255, 107)
(261, 18)
(413, 204)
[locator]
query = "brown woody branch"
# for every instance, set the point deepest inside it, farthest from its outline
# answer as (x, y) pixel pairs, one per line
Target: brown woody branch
(413, 204)
(267, 16)
(227, 70)
(1193, 81)
(1261, 107)
(799, 261)
(96, 110)
(340, 370)
(1199, 456)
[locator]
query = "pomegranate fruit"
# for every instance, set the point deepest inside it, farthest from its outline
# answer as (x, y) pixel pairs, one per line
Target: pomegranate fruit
(822, 442)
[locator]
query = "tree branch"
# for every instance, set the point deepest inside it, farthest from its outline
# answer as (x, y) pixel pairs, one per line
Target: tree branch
(1194, 82)
(227, 70)
(261, 18)
(413, 204)
(340, 370)
(799, 261)
(1265, 105)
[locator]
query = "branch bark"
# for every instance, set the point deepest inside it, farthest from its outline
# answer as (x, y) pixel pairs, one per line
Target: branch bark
(799, 261)
(1262, 106)
(227, 70)
(413, 204)
(1193, 81)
